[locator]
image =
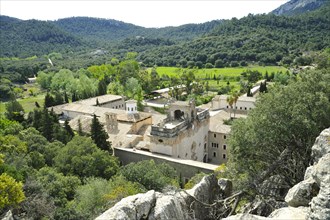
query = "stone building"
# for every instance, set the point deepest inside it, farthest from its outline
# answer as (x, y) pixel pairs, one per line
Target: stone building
(218, 138)
(183, 133)
(242, 106)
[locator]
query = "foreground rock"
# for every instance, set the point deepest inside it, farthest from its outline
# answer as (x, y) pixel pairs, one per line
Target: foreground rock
(309, 199)
(174, 205)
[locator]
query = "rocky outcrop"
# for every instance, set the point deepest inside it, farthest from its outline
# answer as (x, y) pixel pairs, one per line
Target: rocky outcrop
(173, 205)
(302, 193)
(314, 191)
(295, 7)
(8, 216)
(309, 199)
(289, 213)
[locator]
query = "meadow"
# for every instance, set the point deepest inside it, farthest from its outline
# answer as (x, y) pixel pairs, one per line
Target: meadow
(219, 77)
(224, 72)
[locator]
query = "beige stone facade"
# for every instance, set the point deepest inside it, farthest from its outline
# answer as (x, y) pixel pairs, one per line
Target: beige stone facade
(185, 133)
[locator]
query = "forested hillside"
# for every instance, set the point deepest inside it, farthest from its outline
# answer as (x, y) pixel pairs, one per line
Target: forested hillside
(109, 30)
(28, 38)
(265, 39)
(262, 39)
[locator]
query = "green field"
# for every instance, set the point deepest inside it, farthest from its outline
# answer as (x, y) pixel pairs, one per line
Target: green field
(218, 77)
(27, 103)
(32, 94)
(224, 72)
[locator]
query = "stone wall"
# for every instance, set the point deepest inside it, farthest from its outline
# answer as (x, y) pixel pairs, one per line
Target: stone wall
(185, 168)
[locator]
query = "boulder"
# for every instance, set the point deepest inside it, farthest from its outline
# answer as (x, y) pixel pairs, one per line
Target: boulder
(8, 216)
(321, 146)
(320, 205)
(245, 216)
(302, 193)
(226, 186)
(131, 207)
(171, 205)
(289, 213)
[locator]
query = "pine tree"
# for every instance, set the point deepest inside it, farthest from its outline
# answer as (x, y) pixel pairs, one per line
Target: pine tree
(99, 135)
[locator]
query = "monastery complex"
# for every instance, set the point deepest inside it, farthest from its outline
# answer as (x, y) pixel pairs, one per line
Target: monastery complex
(192, 139)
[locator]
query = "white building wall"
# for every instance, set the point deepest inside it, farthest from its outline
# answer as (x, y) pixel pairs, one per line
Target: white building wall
(218, 148)
(118, 104)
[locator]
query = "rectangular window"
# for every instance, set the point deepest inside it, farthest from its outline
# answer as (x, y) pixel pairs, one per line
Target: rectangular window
(224, 147)
(224, 137)
(215, 135)
(214, 154)
(224, 156)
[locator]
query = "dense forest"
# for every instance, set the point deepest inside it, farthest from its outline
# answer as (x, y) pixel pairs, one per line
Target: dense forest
(264, 39)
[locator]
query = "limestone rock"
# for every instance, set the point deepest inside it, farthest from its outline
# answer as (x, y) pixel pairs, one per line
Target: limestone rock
(168, 207)
(172, 205)
(226, 186)
(289, 213)
(245, 217)
(207, 190)
(321, 146)
(8, 216)
(131, 207)
(302, 193)
(320, 205)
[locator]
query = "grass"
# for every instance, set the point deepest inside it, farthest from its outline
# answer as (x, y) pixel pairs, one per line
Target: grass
(32, 95)
(222, 75)
(223, 72)
(28, 103)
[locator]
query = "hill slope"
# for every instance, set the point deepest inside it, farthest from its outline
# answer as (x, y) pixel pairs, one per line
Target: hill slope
(20, 38)
(266, 39)
(295, 7)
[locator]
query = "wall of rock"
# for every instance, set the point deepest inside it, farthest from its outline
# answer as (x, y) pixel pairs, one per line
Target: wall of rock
(172, 205)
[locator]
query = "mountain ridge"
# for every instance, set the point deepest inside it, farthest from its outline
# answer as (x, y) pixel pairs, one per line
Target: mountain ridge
(295, 7)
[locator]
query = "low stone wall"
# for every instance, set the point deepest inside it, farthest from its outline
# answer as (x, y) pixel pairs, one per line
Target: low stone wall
(185, 168)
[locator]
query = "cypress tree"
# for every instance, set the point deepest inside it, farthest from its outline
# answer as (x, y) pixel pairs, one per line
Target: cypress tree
(66, 98)
(102, 87)
(80, 131)
(37, 104)
(99, 135)
(47, 125)
(68, 128)
(49, 100)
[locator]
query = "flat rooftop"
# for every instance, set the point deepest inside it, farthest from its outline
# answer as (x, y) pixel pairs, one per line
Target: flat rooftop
(101, 99)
